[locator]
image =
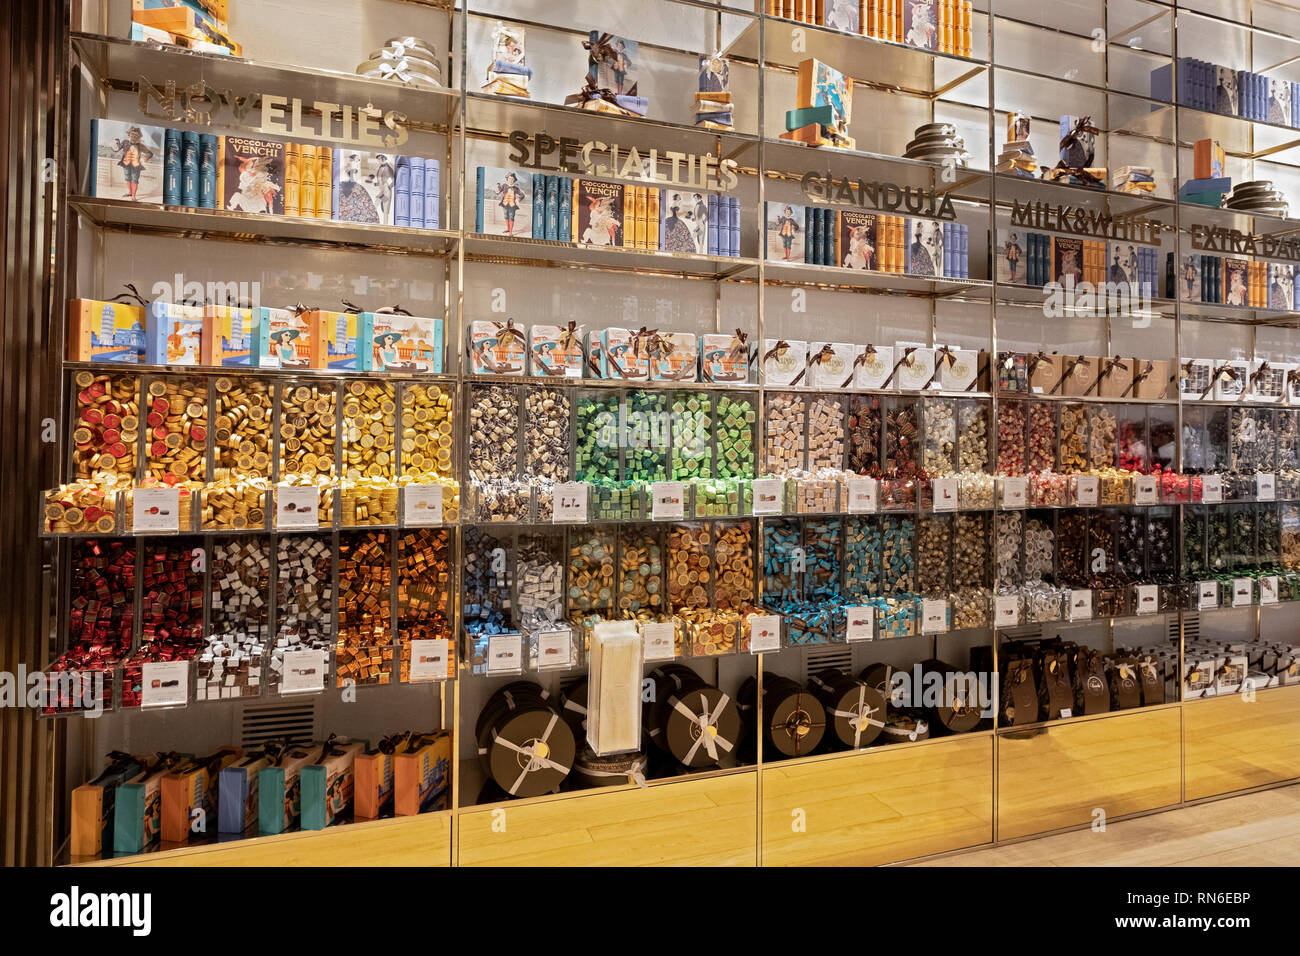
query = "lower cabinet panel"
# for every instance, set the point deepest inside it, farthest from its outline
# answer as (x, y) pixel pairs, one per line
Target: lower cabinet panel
(1232, 744)
(1058, 776)
(879, 806)
(710, 822)
(424, 840)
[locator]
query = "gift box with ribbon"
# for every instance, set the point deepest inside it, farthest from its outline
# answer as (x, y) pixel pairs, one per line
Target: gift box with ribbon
(279, 794)
(328, 783)
(496, 348)
(555, 351)
(93, 802)
(189, 795)
(421, 773)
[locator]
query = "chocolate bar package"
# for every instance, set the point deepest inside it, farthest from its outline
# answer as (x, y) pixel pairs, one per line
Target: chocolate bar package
(126, 161)
(496, 348)
(364, 186)
(598, 213)
(421, 772)
(1067, 259)
(227, 335)
(399, 342)
(173, 334)
(279, 793)
(328, 784)
(105, 332)
(237, 800)
(925, 247)
(786, 237)
(189, 795)
(137, 806)
(505, 203)
(855, 239)
(1011, 264)
(684, 224)
(556, 351)
(251, 176)
(282, 338)
(92, 804)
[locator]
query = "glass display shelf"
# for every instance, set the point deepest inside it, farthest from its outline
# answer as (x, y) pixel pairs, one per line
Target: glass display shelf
(504, 250)
(969, 184)
(866, 59)
(804, 274)
(492, 116)
(120, 64)
(184, 222)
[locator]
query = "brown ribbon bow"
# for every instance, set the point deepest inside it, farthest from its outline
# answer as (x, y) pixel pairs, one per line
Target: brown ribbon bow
(1139, 378)
(859, 360)
(131, 293)
(1068, 371)
(1224, 369)
(941, 354)
(568, 338)
(907, 357)
(776, 351)
(508, 334)
(824, 354)
(1107, 366)
(591, 93)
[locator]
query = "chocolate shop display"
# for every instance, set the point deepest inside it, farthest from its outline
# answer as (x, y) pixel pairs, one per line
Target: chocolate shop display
(643, 441)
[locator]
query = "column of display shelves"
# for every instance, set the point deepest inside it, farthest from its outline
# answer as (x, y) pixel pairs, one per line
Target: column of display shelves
(502, 251)
(116, 68)
(1255, 145)
(781, 161)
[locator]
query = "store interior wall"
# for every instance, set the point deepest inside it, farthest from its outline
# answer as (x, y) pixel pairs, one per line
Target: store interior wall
(32, 44)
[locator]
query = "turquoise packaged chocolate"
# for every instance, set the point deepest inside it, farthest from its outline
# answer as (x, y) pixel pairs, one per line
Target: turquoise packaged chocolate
(399, 342)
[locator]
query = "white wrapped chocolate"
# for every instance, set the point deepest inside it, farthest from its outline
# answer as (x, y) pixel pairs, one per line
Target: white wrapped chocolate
(614, 682)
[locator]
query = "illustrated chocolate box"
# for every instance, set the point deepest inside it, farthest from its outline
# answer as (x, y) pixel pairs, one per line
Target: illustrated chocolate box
(105, 332)
(556, 352)
(173, 334)
(403, 344)
(496, 348)
(282, 338)
(328, 785)
(726, 358)
(677, 358)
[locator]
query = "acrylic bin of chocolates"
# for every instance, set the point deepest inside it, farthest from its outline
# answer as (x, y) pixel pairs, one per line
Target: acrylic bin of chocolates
(82, 507)
(425, 576)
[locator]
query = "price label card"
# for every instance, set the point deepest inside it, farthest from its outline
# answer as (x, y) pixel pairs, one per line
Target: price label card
(164, 684)
(295, 506)
(304, 672)
(768, 494)
(156, 509)
(554, 649)
(1081, 605)
(667, 500)
(1265, 486)
(864, 495)
(934, 616)
(660, 640)
(1015, 492)
(1145, 490)
(1211, 489)
(1087, 490)
(505, 654)
(421, 505)
(860, 624)
(1006, 610)
(1207, 595)
(429, 660)
(945, 494)
(569, 502)
(1148, 598)
(764, 633)
(1268, 589)
(1243, 592)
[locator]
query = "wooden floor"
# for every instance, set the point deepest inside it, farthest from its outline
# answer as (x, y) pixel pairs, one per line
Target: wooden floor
(1259, 829)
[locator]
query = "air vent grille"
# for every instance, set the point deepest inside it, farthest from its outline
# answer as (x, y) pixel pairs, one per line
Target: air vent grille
(260, 723)
(817, 660)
